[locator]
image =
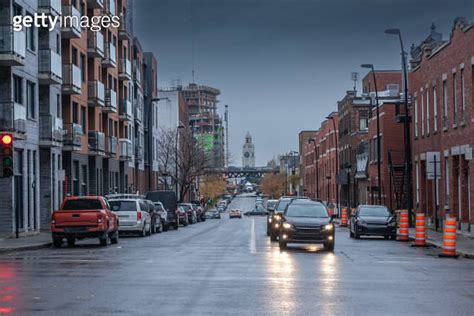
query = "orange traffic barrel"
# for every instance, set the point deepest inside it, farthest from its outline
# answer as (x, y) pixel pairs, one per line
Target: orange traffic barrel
(449, 238)
(344, 217)
(402, 231)
(420, 230)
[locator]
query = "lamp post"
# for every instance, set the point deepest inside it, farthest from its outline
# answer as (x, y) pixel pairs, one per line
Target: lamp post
(337, 158)
(316, 160)
(177, 160)
(406, 121)
(379, 181)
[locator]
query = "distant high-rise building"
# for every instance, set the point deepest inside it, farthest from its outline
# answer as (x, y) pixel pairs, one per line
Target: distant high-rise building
(248, 152)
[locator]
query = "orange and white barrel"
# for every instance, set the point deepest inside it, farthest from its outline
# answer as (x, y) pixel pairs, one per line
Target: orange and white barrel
(420, 229)
(449, 237)
(344, 217)
(402, 231)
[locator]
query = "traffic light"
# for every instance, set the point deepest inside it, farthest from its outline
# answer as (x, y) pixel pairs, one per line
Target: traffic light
(6, 143)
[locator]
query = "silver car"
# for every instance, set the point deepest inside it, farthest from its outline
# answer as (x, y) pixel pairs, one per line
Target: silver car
(132, 214)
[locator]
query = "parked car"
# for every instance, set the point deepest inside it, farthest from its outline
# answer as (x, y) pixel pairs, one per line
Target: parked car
(183, 216)
(220, 208)
(373, 220)
(213, 214)
(156, 223)
(235, 214)
(198, 211)
(271, 205)
(84, 217)
(306, 221)
(192, 216)
(133, 215)
(163, 215)
(169, 201)
(275, 216)
(257, 211)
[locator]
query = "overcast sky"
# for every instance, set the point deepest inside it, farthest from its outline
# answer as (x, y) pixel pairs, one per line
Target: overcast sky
(281, 65)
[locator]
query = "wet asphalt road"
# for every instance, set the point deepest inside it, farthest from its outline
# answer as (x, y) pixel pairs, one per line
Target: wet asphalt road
(229, 267)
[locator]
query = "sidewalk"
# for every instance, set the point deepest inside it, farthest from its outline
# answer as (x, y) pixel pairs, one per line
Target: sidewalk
(42, 240)
(464, 243)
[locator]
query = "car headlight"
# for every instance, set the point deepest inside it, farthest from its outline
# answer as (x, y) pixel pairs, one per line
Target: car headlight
(277, 217)
(270, 220)
(287, 226)
(361, 222)
(392, 223)
(329, 227)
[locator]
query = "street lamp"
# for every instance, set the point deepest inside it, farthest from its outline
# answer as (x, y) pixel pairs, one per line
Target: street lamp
(406, 121)
(379, 181)
(316, 161)
(337, 158)
(177, 159)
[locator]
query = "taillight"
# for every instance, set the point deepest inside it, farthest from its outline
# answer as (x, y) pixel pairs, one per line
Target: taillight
(99, 218)
(139, 216)
(53, 221)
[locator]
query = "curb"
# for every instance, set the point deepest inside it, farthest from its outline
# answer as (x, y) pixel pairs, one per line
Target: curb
(28, 247)
(440, 246)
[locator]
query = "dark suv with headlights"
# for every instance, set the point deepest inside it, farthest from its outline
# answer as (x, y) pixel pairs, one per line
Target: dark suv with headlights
(306, 221)
(373, 220)
(275, 216)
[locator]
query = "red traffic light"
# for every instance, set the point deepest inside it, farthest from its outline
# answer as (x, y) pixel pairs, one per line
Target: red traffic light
(7, 139)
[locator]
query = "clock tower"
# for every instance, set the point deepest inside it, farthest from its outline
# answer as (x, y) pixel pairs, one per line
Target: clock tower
(248, 152)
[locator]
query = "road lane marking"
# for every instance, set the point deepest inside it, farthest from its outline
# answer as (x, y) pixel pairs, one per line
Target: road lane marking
(253, 243)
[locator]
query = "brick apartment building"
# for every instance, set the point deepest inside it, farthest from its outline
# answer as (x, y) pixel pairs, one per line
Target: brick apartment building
(441, 86)
(303, 138)
(74, 100)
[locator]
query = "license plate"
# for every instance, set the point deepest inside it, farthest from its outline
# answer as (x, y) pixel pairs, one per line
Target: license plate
(75, 230)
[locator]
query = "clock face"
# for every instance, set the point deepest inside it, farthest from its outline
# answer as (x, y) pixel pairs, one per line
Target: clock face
(246, 154)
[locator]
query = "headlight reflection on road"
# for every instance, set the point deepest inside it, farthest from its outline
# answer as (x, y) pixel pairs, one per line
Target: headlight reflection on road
(330, 276)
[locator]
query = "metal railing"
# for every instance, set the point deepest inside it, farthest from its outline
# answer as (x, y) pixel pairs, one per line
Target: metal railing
(139, 152)
(51, 128)
(12, 117)
(50, 63)
(110, 54)
(111, 100)
(138, 112)
(73, 23)
(95, 43)
(126, 111)
(12, 42)
(95, 4)
(72, 78)
(111, 145)
(110, 7)
(138, 72)
(96, 93)
(125, 68)
(125, 148)
(73, 134)
(96, 141)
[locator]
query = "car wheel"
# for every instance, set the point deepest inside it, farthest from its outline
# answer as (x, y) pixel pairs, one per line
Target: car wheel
(394, 237)
(351, 234)
(152, 228)
(70, 242)
(114, 237)
(103, 240)
(356, 234)
(57, 242)
(273, 235)
(142, 232)
(176, 225)
(148, 233)
(166, 227)
(329, 246)
(386, 237)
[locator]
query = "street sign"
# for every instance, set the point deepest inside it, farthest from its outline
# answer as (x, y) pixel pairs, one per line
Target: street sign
(433, 165)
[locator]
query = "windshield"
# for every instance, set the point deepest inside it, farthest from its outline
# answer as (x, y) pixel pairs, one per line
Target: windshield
(281, 205)
(123, 206)
(82, 204)
(185, 206)
(306, 210)
(374, 211)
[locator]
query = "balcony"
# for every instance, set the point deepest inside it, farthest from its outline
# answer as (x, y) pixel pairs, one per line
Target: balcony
(110, 57)
(72, 79)
(138, 73)
(126, 111)
(51, 131)
(12, 46)
(50, 67)
(138, 112)
(139, 153)
(110, 101)
(125, 69)
(12, 117)
(124, 32)
(111, 144)
(73, 136)
(110, 8)
(125, 149)
(50, 7)
(96, 93)
(95, 44)
(95, 4)
(96, 143)
(72, 28)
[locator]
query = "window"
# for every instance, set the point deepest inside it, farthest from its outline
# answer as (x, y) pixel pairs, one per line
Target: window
(74, 56)
(445, 104)
(30, 86)
(75, 111)
(17, 89)
(417, 175)
(83, 120)
(416, 118)
(422, 113)
(427, 112)
(446, 177)
(83, 67)
(75, 178)
(455, 101)
(30, 36)
(463, 97)
(58, 44)
(363, 121)
(435, 110)
(58, 105)
(84, 180)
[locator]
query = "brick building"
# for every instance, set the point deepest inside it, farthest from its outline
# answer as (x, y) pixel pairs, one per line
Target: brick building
(303, 138)
(441, 87)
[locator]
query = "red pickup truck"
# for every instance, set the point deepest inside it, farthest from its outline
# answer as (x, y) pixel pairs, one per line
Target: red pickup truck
(84, 217)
